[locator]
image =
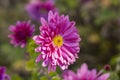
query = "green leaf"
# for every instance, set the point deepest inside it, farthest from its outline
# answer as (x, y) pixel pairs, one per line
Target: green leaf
(31, 49)
(35, 76)
(44, 78)
(56, 78)
(114, 76)
(30, 65)
(72, 3)
(115, 2)
(16, 77)
(115, 60)
(52, 73)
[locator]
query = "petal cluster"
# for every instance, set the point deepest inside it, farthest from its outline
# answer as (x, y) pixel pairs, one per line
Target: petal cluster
(3, 75)
(21, 32)
(37, 8)
(84, 74)
(58, 42)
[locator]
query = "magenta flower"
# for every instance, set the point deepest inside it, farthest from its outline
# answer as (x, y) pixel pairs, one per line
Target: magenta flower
(58, 41)
(3, 75)
(84, 74)
(22, 31)
(37, 9)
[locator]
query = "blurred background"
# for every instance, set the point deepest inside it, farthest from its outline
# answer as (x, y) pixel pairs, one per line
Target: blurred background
(98, 22)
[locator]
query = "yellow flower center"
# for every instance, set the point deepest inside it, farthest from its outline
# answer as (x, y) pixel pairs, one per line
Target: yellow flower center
(58, 40)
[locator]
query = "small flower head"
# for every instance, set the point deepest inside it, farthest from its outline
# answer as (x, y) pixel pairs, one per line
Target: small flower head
(107, 67)
(58, 41)
(3, 75)
(37, 9)
(84, 74)
(21, 32)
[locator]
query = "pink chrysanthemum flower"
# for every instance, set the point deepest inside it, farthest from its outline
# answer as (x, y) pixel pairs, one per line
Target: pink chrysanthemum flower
(21, 32)
(38, 8)
(3, 75)
(84, 74)
(58, 41)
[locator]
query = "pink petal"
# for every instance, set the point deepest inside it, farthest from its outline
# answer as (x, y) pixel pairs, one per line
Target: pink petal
(39, 58)
(104, 77)
(83, 70)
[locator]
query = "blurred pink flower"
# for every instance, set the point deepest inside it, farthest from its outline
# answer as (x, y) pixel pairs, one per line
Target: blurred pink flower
(84, 74)
(3, 75)
(21, 32)
(38, 8)
(58, 42)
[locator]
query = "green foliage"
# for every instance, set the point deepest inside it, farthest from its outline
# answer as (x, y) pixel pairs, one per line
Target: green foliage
(44, 78)
(31, 49)
(114, 76)
(34, 76)
(115, 2)
(106, 15)
(52, 74)
(8, 50)
(30, 65)
(16, 77)
(55, 78)
(115, 60)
